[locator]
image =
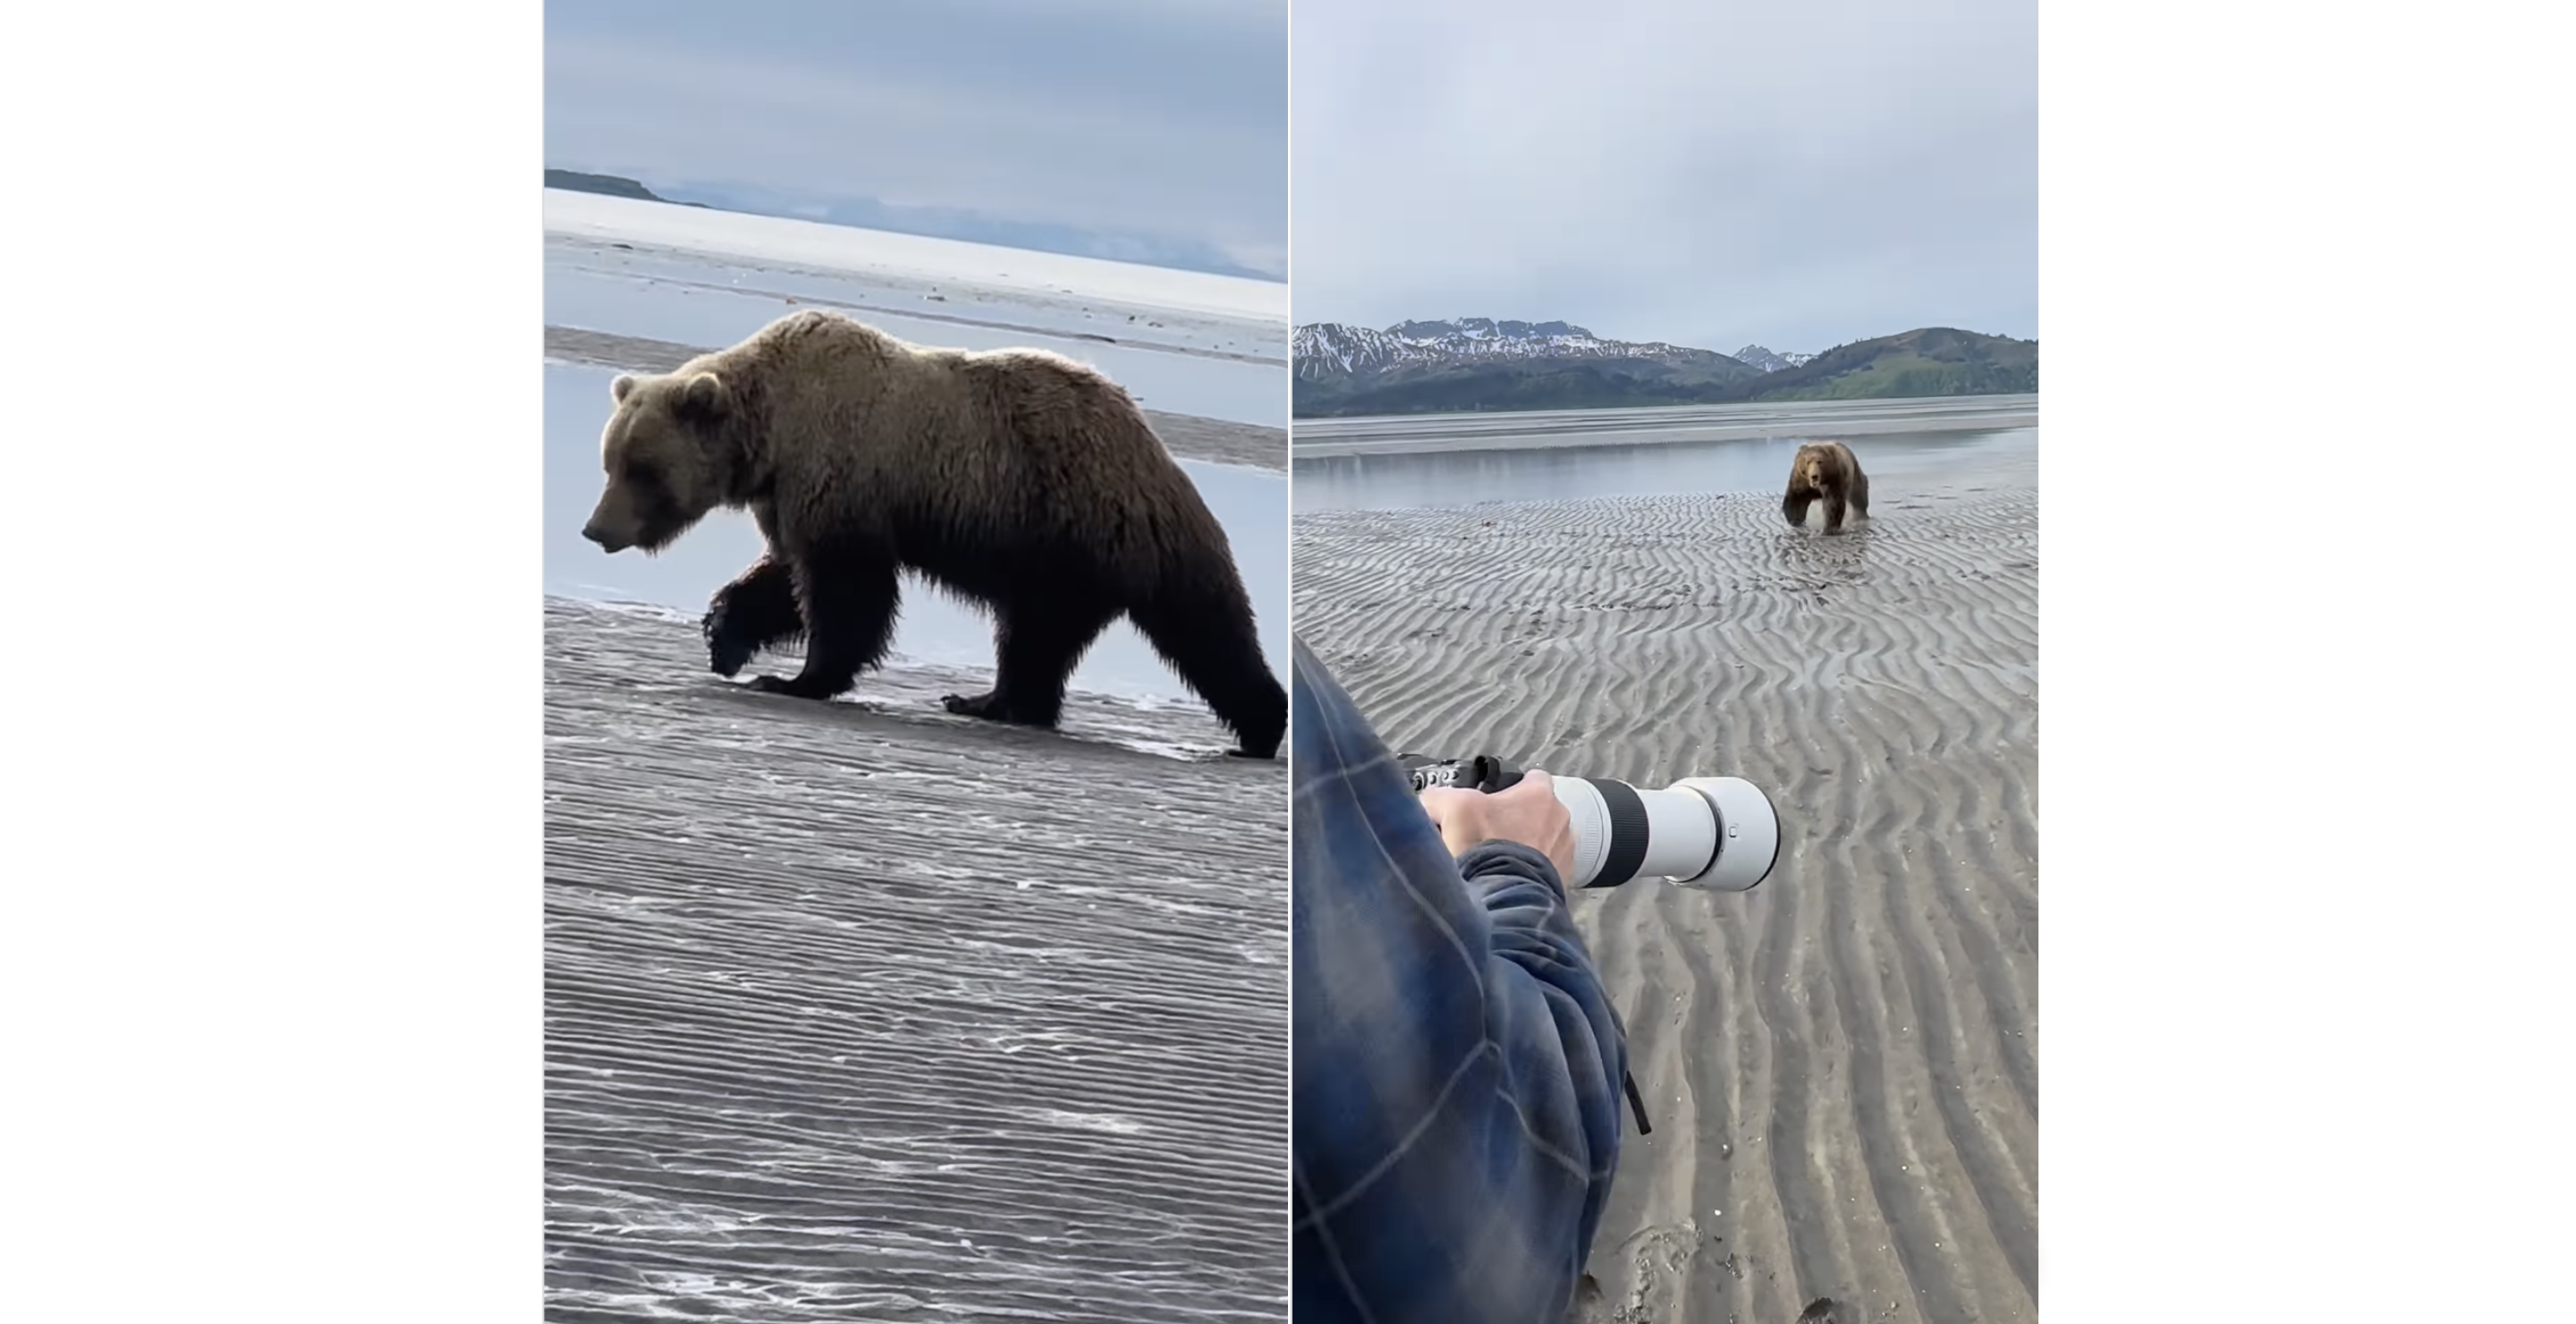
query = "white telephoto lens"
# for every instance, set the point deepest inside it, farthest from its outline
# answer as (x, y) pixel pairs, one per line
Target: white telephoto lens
(1716, 834)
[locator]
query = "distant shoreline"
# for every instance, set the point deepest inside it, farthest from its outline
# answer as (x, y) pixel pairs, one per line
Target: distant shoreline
(1432, 434)
(939, 223)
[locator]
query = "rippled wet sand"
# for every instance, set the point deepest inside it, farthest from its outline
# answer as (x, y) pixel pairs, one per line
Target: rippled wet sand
(863, 1011)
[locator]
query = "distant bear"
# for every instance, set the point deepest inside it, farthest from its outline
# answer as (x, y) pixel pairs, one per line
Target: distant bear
(1018, 479)
(1825, 469)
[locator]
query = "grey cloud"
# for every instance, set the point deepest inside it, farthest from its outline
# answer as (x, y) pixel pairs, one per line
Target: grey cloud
(1136, 116)
(1801, 175)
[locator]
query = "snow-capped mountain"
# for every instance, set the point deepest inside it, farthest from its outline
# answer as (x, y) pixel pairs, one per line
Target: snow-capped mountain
(1769, 360)
(1327, 350)
(1478, 364)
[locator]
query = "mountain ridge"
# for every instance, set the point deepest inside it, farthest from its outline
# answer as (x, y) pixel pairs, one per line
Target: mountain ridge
(1464, 364)
(1771, 361)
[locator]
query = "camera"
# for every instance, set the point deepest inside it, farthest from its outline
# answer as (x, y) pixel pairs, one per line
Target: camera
(1717, 834)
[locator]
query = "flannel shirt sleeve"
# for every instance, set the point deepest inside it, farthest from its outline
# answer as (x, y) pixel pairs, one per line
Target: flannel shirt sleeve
(1456, 1099)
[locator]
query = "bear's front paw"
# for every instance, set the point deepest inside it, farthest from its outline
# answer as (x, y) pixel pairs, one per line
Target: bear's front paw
(725, 657)
(793, 687)
(726, 654)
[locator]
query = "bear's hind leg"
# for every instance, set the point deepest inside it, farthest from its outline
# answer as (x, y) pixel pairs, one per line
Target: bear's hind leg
(848, 599)
(1206, 631)
(1037, 644)
(756, 611)
(1860, 494)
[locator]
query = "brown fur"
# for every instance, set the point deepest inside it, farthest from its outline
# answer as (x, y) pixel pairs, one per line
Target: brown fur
(1017, 478)
(1827, 470)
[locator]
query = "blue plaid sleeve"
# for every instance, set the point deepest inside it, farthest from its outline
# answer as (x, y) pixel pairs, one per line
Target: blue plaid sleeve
(1456, 1105)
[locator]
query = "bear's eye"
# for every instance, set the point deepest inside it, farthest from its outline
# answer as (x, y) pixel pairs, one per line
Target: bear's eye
(640, 474)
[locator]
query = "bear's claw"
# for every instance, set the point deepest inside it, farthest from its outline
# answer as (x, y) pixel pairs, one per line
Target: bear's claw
(992, 707)
(794, 688)
(979, 705)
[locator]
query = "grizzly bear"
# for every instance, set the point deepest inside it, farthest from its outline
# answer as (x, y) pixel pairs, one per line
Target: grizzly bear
(1825, 469)
(1017, 479)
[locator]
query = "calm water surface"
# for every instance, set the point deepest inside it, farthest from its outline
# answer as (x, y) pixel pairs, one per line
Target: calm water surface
(1466, 478)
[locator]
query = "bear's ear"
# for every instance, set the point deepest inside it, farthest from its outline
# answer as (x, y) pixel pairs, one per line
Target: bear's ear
(623, 387)
(705, 396)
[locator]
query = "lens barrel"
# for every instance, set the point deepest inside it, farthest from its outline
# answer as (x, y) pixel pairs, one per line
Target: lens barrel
(1717, 834)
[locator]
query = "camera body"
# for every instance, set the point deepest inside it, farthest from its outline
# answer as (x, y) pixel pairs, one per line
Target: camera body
(1717, 834)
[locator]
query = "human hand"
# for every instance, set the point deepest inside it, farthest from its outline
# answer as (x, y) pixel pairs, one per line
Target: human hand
(1527, 814)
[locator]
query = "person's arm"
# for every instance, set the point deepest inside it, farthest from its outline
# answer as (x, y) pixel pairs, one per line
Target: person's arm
(1457, 1104)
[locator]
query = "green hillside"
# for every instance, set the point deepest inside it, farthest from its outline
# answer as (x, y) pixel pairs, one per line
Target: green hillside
(1932, 361)
(1518, 384)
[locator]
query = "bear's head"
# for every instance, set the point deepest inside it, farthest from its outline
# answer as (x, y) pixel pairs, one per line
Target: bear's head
(1812, 464)
(666, 452)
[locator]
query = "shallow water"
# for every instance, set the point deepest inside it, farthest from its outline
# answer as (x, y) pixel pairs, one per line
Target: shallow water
(1571, 472)
(1252, 505)
(690, 300)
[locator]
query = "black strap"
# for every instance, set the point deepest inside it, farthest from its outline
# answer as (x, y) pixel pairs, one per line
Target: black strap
(1636, 1103)
(1627, 811)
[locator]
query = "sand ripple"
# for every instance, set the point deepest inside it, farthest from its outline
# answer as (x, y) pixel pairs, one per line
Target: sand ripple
(867, 1012)
(1841, 1067)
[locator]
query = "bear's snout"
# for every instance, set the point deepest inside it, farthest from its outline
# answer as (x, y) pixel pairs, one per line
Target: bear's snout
(612, 522)
(608, 542)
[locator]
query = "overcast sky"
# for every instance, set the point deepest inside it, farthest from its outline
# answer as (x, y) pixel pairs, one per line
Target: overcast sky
(1127, 116)
(1708, 173)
